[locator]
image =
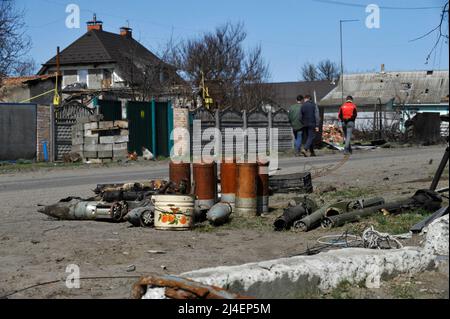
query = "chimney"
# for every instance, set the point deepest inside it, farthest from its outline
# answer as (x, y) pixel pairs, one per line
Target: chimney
(126, 32)
(94, 24)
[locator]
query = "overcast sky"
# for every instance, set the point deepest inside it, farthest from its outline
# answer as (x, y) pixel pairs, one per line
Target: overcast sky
(291, 32)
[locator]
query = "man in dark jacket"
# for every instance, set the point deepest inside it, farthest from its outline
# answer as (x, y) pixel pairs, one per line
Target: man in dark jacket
(310, 118)
(347, 115)
(297, 126)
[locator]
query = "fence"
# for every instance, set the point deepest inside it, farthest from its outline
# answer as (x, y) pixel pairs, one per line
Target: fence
(228, 119)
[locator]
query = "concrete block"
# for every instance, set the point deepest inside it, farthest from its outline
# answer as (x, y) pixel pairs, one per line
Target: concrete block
(124, 132)
(106, 125)
(87, 154)
(89, 133)
(91, 126)
(91, 148)
(121, 139)
(106, 139)
(120, 154)
(121, 124)
(90, 140)
(105, 154)
(105, 147)
(120, 147)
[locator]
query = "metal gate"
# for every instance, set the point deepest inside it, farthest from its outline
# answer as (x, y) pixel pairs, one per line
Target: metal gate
(18, 126)
(65, 117)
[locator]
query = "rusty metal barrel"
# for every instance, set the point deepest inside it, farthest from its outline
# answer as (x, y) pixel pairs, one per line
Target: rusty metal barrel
(228, 182)
(246, 193)
(179, 173)
(205, 185)
(263, 187)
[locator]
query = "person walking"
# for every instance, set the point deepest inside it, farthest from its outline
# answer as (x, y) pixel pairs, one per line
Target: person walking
(297, 126)
(310, 118)
(348, 113)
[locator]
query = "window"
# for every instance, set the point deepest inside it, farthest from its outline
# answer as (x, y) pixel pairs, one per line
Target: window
(83, 76)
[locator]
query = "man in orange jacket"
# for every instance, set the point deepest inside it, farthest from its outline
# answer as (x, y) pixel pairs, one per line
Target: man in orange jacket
(347, 115)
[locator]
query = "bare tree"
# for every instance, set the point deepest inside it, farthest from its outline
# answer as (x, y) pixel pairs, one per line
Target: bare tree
(14, 44)
(309, 72)
(328, 70)
(439, 29)
(231, 73)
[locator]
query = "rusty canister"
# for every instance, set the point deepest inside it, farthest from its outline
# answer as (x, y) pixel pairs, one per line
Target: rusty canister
(263, 187)
(246, 193)
(205, 185)
(181, 173)
(228, 170)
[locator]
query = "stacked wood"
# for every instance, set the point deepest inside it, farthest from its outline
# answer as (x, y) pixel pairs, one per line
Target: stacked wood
(101, 141)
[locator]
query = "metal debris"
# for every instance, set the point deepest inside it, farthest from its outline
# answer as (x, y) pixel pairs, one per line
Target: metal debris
(425, 199)
(79, 209)
(293, 214)
(181, 288)
(219, 214)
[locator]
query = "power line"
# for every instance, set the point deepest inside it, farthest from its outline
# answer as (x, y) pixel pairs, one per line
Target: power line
(348, 4)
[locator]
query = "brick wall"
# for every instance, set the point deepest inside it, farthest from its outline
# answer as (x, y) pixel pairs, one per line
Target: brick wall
(43, 131)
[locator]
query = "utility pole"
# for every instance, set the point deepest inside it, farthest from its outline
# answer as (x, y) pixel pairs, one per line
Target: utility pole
(342, 56)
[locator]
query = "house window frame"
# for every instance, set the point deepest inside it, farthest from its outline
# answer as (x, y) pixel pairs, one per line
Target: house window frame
(87, 76)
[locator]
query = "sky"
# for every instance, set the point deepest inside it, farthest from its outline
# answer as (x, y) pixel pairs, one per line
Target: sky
(290, 32)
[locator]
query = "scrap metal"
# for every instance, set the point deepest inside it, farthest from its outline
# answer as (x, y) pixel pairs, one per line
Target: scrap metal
(425, 199)
(417, 228)
(181, 288)
(79, 209)
(293, 214)
(314, 220)
(219, 214)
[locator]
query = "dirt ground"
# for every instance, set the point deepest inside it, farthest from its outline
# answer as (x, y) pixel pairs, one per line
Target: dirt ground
(36, 249)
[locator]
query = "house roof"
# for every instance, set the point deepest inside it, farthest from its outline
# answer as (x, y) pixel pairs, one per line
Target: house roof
(16, 81)
(100, 47)
(414, 87)
(285, 93)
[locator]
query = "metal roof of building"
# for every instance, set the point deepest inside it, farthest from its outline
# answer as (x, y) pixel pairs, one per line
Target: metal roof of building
(414, 87)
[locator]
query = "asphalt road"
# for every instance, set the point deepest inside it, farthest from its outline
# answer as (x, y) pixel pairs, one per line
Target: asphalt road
(92, 177)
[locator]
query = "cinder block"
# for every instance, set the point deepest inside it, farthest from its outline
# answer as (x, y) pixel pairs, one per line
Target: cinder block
(120, 154)
(124, 132)
(106, 125)
(91, 148)
(106, 139)
(87, 154)
(105, 147)
(121, 139)
(121, 124)
(89, 133)
(90, 140)
(105, 154)
(120, 147)
(91, 126)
